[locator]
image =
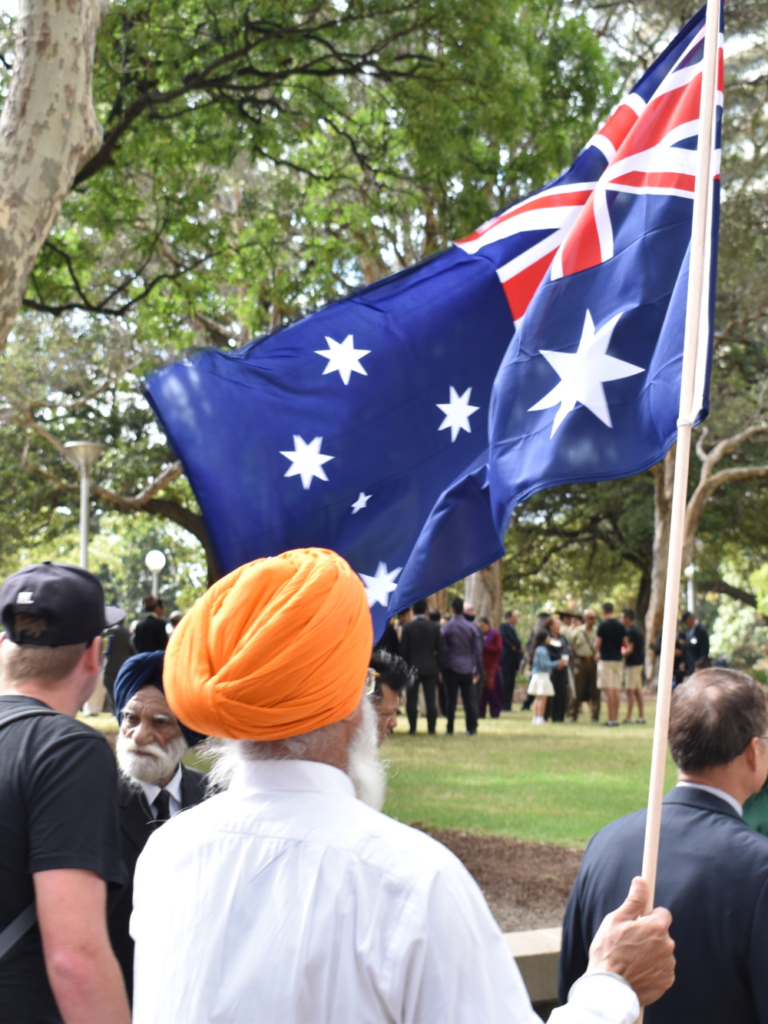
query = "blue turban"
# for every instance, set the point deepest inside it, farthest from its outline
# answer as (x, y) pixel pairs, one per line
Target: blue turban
(145, 670)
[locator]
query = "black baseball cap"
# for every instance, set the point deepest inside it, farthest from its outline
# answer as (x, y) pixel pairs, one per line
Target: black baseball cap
(70, 599)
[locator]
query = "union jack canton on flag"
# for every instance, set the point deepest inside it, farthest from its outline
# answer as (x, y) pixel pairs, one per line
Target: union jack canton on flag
(599, 297)
(401, 425)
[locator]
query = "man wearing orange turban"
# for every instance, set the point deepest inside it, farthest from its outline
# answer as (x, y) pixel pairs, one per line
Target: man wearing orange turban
(290, 897)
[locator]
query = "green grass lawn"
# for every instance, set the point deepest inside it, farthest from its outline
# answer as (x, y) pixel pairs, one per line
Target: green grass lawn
(544, 784)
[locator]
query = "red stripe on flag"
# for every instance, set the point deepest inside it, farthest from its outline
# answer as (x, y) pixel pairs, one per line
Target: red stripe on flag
(618, 126)
(581, 249)
(542, 202)
(657, 179)
(521, 288)
(674, 108)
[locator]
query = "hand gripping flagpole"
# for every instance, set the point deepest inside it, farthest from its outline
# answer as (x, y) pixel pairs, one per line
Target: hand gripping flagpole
(695, 310)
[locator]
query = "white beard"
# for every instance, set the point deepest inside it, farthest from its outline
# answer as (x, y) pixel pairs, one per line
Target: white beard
(149, 763)
(367, 772)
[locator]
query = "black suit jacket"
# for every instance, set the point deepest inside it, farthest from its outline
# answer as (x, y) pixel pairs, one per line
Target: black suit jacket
(512, 653)
(713, 877)
(150, 635)
(422, 645)
(696, 646)
(137, 825)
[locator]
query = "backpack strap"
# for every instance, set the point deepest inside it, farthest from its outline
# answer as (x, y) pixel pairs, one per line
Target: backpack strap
(17, 929)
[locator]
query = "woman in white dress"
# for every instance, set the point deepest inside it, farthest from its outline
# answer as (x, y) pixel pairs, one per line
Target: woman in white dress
(540, 685)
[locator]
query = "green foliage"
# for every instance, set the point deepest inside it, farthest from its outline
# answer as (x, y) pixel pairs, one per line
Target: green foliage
(260, 158)
(583, 543)
(119, 545)
(258, 161)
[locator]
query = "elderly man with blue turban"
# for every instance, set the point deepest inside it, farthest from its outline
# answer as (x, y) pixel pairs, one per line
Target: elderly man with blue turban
(153, 785)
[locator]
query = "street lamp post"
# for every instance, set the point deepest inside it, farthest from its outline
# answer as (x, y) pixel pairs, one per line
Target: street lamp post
(155, 562)
(690, 573)
(84, 455)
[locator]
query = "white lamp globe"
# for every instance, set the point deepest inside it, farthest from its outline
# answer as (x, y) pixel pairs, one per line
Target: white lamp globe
(155, 561)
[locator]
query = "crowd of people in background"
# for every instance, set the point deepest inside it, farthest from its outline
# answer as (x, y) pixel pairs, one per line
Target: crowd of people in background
(94, 844)
(572, 660)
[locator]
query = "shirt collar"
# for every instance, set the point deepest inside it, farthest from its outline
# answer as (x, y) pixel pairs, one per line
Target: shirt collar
(290, 776)
(173, 787)
(715, 792)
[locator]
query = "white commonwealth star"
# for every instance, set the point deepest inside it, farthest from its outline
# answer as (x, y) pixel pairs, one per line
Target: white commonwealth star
(362, 502)
(583, 373)
(307, 461)
(379, 587)
(343, 357)
(457, 412)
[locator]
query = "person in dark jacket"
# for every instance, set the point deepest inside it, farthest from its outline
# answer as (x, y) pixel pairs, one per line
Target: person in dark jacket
(713, 868)
(421, 646)
(696, 642)
(119, 649)
(153, 784)
(151, 634)
(461, 662)
(511, 656)
(561, 656)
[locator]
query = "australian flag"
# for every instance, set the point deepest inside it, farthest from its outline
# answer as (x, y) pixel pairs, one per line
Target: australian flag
(401, 425)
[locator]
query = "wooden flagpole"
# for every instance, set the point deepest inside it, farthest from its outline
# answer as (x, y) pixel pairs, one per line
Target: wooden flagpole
(698, 268)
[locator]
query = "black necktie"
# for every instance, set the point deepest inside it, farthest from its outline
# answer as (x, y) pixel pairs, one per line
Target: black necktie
(162, 804)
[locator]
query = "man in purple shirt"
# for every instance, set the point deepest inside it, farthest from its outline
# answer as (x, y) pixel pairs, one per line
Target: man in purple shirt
(461, 661)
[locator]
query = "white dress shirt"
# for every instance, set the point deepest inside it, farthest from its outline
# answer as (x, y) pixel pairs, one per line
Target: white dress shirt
(287, 900)
(173, 789)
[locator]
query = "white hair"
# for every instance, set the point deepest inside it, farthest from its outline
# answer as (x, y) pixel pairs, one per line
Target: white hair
(367, 772)
(149, 762)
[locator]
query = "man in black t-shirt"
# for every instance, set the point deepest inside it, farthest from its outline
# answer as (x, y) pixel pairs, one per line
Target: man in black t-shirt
(608, 644)
(60, 838)
(634, 658)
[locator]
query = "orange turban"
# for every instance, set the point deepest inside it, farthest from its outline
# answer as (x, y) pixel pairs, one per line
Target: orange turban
(277, 648)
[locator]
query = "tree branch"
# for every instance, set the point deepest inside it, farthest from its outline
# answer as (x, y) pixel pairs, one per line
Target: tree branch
(721, 587)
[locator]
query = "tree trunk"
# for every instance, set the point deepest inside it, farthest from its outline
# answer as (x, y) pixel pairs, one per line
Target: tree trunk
(48, 131)
(483, 590)
(643, 599)
(439, 600)
(663, 474)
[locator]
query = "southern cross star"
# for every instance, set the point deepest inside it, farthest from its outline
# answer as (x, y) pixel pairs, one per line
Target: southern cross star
(457, 412)
(379, 587)
(583, 373)
(343, 357)
(306, 460)
(362, 502)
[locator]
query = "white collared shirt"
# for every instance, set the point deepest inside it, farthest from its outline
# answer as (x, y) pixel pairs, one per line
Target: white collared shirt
(716, 792)
(173, 789)
(288, 900)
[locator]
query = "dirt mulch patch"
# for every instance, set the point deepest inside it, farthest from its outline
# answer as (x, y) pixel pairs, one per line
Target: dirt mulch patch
(526, 884)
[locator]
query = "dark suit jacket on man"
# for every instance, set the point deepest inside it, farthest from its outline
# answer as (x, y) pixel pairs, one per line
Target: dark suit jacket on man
(150, 635)
(137, 825)
(713, 877)
(696, 646)
(421, 645)
(512, 654)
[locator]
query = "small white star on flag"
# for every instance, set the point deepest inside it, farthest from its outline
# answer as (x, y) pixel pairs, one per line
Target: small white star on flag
(343, 357)
(583, 372)
(457, 412)
(307, 460)
(379, 587)
(362, 502)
